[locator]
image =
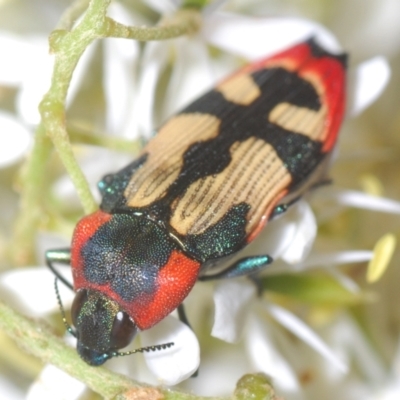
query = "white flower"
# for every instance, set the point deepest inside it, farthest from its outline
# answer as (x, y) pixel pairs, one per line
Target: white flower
(27, 68)
(24, 67)
(132, 110)
(15, 139)
(389, 387)
(55, 384)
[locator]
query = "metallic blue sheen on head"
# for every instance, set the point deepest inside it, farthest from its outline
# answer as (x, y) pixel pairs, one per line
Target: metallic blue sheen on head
(92, 357)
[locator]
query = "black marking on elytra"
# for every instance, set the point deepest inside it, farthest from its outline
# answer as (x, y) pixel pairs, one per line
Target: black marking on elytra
(221, 239)
(127, 253)
(112, 186)
(318, 52)
(299, 153)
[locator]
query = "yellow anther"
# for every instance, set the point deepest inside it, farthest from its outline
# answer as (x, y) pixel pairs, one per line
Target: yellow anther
(383, 252)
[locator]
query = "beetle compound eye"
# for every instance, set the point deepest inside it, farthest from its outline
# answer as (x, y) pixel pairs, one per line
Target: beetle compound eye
(123, 331)
(79, 300)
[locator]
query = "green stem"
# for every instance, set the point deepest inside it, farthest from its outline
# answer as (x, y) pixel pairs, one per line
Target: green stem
(69, 46)
(39, 340)
(33, 188)
(81, 136)
(184, 22)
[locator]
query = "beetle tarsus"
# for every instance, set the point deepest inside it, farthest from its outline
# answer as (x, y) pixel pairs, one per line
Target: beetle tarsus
(243, 267)
(60, 256)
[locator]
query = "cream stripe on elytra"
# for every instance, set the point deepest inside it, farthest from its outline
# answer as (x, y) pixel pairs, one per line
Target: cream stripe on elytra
(301, 120)
(240, 89)
(252, 160)
(226, 182)
(162, 168)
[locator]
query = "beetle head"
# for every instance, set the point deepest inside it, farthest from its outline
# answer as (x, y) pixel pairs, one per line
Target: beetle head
(102, 327)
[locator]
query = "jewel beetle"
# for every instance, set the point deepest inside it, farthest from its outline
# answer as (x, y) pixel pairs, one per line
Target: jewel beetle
(199, 192)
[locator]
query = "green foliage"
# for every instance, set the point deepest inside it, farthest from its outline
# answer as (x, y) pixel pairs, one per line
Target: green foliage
(318, 289)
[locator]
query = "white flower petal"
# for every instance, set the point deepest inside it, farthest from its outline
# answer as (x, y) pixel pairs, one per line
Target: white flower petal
(10, 390)
(219, 368)
(96, 163)
(213, 6)
(265, 357)
(31, 290)
(344, 280)
(254, 38)
(389, 391)
(301, 330)
(369, 80)
(352, 198)
(120, 64)
(336, 258)
(15, 139)
(36, 80)
(396, 362)
(276, 237)
(306, 230)
(327, 261)
(13, 50)
(191, 74)
(81, 72)
(375, 30)
(48, 241)
(351, 343)
(173, 365)
(154, 61)
(119, 81)
(163, 7)
(232, 299)
(54, 384)
(289, 236)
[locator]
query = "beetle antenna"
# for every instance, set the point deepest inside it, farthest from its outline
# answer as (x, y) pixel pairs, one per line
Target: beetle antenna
(66, 324)
(145, 349)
